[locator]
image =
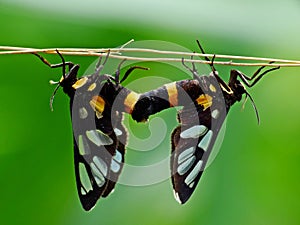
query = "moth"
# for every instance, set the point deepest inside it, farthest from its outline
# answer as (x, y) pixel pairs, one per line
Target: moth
(206, 101)
(97, 104)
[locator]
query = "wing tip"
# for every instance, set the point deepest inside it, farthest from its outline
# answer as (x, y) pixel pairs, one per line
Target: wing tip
(181, 199)
(88, 202)
(87, 206)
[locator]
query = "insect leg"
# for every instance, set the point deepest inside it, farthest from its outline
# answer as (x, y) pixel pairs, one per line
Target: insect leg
(206, 58)
(45, 61)
(254, 78)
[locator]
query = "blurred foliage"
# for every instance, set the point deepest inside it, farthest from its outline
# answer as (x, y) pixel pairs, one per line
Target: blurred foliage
(255, 177)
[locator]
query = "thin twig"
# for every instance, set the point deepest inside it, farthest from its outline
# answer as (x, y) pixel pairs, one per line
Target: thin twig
(117, 53)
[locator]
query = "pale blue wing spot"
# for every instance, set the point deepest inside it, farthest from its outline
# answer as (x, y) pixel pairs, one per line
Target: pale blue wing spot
(101, 165)
(184, 167)
(215, 113)
(83, 113)
(194, 132)
(118, 132)
(190, 178)
(204, 143)
(114, 166)
(84, 178)
(118, 156)
(99, 178)
(98, 137)
(186, 154)
(99, 182)
(83, 146)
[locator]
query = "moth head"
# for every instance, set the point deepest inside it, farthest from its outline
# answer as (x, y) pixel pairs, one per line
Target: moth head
(238, 89)
(142, 110)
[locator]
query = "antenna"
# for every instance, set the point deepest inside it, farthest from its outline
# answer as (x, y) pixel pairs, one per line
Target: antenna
(253, 104)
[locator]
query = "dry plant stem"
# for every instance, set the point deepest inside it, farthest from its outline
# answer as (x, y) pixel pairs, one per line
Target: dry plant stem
(116, 53)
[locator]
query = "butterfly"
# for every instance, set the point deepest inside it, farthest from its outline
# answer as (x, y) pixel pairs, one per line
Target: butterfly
(97, 104)
(206, 101)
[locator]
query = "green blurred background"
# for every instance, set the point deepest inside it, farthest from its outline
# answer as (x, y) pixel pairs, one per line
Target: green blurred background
(255, 177)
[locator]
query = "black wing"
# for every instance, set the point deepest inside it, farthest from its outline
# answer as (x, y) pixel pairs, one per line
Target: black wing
(117, 161)
(194, 138)
(99, 144)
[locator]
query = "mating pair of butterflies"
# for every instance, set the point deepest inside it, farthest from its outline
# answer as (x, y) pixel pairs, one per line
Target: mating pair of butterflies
(97, 104)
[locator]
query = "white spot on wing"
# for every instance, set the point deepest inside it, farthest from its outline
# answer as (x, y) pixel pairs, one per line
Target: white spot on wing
(204, 143)
(215, 114)
(185, 166)
(190, 178)
(98, 137)
(100, 180)
(83, 145)
(186, 154)
(84, 178)
(118, 132)
(115, 163)
(118, 156)
(194, 132)
(101, 165)
(191, 185)
(114, 166)
(83, 113)
(83, 192)
(176, 196)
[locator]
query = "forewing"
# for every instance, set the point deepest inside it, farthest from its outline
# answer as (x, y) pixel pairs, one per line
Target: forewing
(97, 160)
(192, 143)
(95, 145)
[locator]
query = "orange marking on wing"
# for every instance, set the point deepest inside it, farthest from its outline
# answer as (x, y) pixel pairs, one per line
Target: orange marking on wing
(205, 100)
(98, 104)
